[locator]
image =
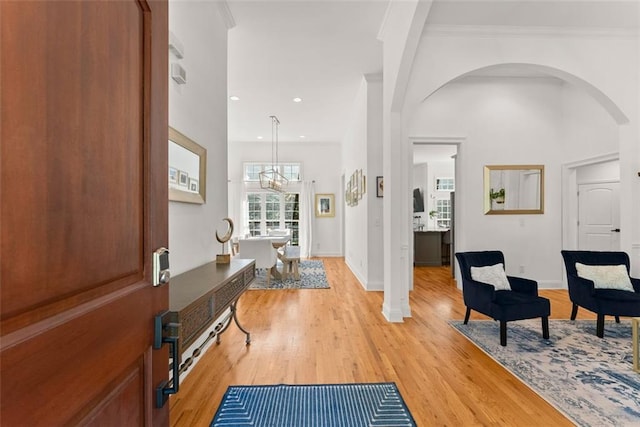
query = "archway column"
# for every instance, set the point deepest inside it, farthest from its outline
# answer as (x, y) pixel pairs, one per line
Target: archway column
(395, 210)
(400, 33)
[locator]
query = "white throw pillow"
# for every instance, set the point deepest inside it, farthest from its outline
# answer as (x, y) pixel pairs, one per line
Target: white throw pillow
(493, 275)
(606, 276)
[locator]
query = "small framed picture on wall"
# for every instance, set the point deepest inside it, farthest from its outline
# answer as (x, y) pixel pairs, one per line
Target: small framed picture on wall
(325, 205)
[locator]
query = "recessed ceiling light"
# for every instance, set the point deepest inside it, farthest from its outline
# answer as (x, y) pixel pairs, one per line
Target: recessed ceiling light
(234, 98)
(259, 137)
(297, 99)
(302, 136)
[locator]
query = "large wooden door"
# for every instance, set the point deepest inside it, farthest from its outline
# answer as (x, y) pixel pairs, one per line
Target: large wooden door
(83, 206)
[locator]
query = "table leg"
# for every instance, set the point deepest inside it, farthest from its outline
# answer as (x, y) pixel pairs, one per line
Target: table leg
(275, 273)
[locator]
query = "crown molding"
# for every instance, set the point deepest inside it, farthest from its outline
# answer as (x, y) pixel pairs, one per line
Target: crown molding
(225, 14)
(521, 31)
(609, 157)
(444, 140)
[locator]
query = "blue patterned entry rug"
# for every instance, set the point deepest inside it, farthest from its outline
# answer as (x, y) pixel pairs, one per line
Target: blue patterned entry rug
(589, 379)
(339, 405)
(312, 276)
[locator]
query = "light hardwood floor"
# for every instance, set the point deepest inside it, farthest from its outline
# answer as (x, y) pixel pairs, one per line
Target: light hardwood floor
(339, 335)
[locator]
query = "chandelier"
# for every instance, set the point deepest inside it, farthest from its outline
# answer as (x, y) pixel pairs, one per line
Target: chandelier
(272, 179)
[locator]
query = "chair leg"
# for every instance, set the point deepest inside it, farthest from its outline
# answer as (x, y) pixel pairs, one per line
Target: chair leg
(268, 277)
(503, 333)
(574, 311)
(466, 316)
(617, 319)
(545, 327)
(600, 326)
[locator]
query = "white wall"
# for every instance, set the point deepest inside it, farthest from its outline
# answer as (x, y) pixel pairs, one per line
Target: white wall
(321, 162)
(375, 253)
(589, 130)
(362, 146)
(354, 147)
(198, 109)
(607, 171)
(602, 67)
(514, 121)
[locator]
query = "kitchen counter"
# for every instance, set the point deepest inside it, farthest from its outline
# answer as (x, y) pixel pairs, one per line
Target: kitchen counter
(431, 247)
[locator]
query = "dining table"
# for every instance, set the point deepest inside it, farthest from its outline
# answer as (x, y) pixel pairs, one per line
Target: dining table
(277, 242)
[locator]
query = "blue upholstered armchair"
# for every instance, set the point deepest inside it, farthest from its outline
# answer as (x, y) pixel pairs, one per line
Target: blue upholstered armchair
(518, 303)
(618, 298)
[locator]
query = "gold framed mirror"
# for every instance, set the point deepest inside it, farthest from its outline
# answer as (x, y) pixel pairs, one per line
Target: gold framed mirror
(187, 169)
(513, 189)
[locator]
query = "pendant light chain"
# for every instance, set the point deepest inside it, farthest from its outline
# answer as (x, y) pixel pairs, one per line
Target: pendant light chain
(274, 137)
(274, 180)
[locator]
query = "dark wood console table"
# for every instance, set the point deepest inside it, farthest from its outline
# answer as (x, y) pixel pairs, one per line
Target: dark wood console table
(201, 295)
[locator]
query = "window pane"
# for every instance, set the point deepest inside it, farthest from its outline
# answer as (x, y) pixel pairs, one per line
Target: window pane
(252, 172)
(295, 234)
(291, 171)
(292, 216)
(292, 206)
(254, 228)
(444, 184)
(274, 211)
(443, 207)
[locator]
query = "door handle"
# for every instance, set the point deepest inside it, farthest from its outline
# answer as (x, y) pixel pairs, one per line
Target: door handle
(167, 330)
(616, 230)
(161, 273)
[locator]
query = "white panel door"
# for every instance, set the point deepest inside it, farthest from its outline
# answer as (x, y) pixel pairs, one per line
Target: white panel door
(599, 216)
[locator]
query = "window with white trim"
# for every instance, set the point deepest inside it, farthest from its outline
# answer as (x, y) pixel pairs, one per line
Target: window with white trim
(267, 211)
(291, 171)
(443, 208)
(445, 184)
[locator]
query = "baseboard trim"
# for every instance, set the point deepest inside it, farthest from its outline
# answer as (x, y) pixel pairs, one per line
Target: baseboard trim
(551, 284)
(327, 254)
(393, 316)
(375, 286)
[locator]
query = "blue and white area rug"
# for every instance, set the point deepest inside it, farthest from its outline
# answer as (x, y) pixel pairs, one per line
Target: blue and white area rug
(312, 276)
(344, 405)
(589, 379)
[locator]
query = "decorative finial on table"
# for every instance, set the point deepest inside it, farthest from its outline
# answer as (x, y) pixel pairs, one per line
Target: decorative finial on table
(224, 258)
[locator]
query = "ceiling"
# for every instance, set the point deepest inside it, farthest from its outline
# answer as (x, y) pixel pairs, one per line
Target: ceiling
(565, 14)
(315, 50)
(319, 50)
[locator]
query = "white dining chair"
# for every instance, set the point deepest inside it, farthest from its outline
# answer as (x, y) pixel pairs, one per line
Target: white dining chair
(262, 251)
(279, 232)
